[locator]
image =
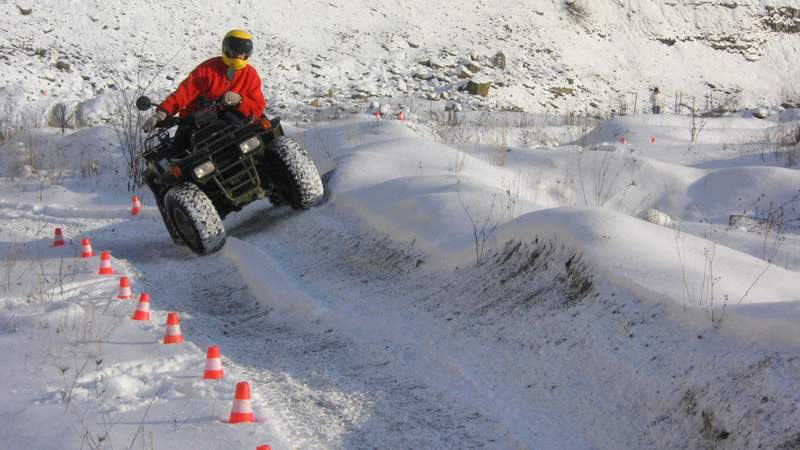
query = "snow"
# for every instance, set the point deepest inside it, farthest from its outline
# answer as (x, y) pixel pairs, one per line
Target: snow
(484, 279)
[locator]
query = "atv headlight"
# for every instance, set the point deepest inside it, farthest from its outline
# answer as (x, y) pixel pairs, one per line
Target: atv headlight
(204, 169)
(250, 145)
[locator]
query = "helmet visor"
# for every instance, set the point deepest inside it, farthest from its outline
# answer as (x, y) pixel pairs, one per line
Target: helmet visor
(233, 47)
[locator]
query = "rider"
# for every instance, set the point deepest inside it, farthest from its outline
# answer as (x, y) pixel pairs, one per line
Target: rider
(229, 78)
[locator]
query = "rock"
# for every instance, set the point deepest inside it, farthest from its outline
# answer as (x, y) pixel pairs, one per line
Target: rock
(561, 91)
(413, 44)
(500, 60)
(315, 103)
(761, 113)
(453, 107)
(63, 66)
(463, 72)
(658, 217)
(437, 63)
(25, 11)
(474, 67)
(479, 87)
(425, 62)
(475, 56)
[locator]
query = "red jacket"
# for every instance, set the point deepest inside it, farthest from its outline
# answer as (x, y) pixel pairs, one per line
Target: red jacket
(210, 80)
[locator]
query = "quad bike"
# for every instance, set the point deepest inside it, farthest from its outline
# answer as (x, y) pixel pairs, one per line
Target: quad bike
(225, 167)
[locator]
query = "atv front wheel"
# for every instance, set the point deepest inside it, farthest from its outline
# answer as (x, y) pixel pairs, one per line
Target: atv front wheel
(173, 233)
(295, 177)
(195, 219)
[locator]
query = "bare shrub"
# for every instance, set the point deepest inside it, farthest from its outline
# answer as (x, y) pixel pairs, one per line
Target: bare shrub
(483, 228)
(127, 119)
(701, 295)
(7, 131)
(786, 141)
(698, 122)
(608, 178)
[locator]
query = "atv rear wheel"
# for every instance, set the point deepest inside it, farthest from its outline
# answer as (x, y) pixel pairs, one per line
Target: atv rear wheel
(295, 177)
(194, 218)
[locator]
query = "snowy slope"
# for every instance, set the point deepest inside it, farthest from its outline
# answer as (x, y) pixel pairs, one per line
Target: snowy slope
(593, 57)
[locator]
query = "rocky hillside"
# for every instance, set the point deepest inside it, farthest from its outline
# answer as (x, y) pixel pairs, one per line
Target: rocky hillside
(559, 56)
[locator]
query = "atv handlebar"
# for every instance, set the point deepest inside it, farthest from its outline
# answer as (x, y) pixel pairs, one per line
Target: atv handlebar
(143, 103)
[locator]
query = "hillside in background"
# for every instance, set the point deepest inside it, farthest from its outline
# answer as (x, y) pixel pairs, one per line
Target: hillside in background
(562, 57)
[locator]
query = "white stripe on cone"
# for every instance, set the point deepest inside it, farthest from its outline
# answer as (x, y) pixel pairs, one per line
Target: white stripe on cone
(143, 307)
(214, 364)
(242, 407)
(125, 292)
(173, 330)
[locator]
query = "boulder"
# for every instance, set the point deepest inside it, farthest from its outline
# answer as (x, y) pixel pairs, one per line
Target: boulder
(479, 87)
(761, 113)
(63, 66)
(500, 60)
(658, 217)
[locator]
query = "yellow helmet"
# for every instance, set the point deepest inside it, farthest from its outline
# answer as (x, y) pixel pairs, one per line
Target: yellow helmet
(234, 44)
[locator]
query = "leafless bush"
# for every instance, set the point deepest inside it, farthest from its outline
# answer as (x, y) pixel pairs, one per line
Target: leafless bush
(7, 131)
(701, 295)
(719, 105)
(62, 115)
(698, 122)
(607, 176)
(483, 228)
(784, 140)
(127, 120)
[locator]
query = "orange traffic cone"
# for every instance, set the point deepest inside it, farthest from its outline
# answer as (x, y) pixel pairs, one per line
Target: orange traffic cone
(124, 289)
(263, 447)
(213, 364)
(653, 140)
(86, 248)
(242, 411)
(623, 140)
(401, 116)
(143, 308)
(137, 205)
(105, 264)
(173, 334)
(377, 115)
(58, 240)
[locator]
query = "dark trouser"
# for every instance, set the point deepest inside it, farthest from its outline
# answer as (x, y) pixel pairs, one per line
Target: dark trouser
(656, 109)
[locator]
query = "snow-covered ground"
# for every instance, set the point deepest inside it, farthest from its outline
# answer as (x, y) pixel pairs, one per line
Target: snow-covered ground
(366, 322)
(480, 279)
